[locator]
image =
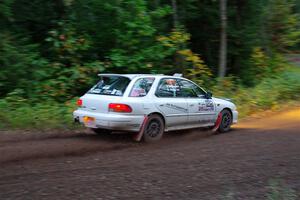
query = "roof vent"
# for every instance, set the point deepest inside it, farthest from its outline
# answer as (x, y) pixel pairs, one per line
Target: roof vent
(177, 75)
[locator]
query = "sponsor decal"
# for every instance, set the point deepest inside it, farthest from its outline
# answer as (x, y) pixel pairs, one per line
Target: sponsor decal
(208, 105)
(175, 107)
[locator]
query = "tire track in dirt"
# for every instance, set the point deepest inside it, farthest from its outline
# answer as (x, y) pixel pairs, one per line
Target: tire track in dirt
(82, 144)
(73, 145)
(23, 146)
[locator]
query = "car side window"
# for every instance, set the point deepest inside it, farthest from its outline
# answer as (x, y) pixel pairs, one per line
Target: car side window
(168, 87)
(189, 89)
(141, 87)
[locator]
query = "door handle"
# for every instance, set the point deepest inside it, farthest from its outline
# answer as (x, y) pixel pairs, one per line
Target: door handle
(191, 105)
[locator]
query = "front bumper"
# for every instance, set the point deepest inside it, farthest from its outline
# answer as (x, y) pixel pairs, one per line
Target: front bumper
(235, 115)
(111, 121)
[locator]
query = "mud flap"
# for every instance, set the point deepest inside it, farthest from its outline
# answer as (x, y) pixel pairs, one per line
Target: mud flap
(76, 120)
(138, 136)
(218, 122)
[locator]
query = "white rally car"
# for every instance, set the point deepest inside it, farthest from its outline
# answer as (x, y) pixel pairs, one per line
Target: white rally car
(150, 104)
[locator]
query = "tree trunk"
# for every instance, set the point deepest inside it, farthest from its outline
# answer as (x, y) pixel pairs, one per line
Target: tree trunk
(175, 15)
(157, 3)
(223, 39)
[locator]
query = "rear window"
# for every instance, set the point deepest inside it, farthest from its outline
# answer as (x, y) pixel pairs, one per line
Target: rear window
(111, 85)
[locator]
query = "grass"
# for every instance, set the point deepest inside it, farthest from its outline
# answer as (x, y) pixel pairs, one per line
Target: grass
(25, 115)
(276, 190)
(280, 191)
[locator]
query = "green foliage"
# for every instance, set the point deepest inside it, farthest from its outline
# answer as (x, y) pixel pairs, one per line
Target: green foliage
(263, 66)
(136, 48)
(20, 113)
(195, 67)
(283, 27)
(18, 63)
(5, 8)
(68, 68)
(188, 63)
(68, 47)
(260, 63)
(270, 93)
(51, 51)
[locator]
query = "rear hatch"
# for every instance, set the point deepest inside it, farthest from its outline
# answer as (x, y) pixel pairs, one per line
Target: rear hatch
(109, 89)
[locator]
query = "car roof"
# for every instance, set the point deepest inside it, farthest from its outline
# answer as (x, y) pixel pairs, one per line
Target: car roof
(132, 76)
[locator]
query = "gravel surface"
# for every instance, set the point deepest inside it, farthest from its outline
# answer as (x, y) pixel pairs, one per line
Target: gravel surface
(197, 164)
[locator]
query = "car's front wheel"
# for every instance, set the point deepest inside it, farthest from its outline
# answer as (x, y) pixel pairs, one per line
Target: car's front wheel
(154, 129)
(226, 121)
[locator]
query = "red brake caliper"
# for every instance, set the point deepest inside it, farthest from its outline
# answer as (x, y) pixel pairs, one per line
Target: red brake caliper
(218, 122)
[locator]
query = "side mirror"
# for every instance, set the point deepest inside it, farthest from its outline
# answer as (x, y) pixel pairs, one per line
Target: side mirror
(208, 95)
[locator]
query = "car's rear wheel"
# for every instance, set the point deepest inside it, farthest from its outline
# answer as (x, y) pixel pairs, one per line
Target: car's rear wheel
(226, 121)
(101, 131)
(154, 129)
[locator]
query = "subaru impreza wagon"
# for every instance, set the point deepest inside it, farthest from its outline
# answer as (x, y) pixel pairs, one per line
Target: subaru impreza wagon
(150, 105)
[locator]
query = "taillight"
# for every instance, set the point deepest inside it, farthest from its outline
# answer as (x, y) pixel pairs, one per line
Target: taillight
(79, 102)
(118, 107)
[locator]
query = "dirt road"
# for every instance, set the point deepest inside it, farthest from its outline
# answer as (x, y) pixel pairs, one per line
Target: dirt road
(187, 165)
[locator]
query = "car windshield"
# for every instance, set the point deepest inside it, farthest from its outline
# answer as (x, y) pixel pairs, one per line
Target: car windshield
(111, 85)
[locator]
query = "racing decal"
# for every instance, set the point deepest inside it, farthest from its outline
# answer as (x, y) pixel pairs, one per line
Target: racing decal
(208, 105)
(175, 107)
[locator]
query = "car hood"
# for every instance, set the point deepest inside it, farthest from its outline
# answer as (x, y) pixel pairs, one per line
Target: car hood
(225, 102)
(223, 98)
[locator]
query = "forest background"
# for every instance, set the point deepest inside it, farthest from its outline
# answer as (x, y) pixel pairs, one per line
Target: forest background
(52, 51)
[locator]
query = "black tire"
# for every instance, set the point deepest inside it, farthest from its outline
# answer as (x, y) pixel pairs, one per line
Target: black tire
(101, 131)
(226, 121)
(154, 128)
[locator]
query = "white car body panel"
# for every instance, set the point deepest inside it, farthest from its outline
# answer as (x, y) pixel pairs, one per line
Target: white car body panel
(178, 113)
(175, 113)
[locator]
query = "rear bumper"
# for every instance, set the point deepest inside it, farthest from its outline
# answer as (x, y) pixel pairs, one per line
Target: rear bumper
(110, 121)
(235, 115)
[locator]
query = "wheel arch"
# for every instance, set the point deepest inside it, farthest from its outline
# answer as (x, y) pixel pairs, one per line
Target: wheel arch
(226, 108)
(159, 114)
